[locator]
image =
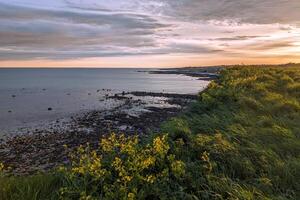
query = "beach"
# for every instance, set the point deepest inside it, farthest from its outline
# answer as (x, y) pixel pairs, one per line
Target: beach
(83, 113)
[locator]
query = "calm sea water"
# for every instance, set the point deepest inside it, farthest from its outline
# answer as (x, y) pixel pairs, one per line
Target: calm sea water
(26, 94)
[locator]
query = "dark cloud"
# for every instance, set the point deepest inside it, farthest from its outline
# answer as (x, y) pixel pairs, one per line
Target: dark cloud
(237, 38)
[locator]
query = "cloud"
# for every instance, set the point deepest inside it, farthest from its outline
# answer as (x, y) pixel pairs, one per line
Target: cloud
(237, 38)
(34, 33)
(190, 48)
(244, 11)
(74, 29)
(56, 33)
(118, 20)
(269, 45)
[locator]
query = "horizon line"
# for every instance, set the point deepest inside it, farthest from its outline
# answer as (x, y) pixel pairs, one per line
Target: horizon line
(196, 66)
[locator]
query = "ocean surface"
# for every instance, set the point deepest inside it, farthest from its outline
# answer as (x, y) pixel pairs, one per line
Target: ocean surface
(27, 94)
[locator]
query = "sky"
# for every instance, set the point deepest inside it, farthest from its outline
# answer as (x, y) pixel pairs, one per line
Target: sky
(148, 33)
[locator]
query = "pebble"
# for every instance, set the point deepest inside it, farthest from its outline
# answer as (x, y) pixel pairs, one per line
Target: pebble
(42, 150)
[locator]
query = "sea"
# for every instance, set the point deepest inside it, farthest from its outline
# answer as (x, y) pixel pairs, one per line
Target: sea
(32, 96)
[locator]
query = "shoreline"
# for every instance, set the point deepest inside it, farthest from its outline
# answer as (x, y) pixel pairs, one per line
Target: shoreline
(139, 113)
(43, 150)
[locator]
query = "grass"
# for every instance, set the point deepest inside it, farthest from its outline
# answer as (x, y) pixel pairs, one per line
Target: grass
(240, 140)
(36, 187)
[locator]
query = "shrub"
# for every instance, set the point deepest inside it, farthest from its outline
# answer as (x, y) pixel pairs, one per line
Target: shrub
(121, 169)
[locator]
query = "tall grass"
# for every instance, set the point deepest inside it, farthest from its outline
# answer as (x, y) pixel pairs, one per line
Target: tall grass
(37, 187)
(254, 112)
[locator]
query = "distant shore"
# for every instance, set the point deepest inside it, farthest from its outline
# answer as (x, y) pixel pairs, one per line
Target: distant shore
(202, 73)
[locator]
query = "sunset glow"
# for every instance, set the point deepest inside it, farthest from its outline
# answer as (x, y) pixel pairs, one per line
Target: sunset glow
(131, 33)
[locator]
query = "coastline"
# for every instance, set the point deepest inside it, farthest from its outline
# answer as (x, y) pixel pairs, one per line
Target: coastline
(139, 113)
(236, 132)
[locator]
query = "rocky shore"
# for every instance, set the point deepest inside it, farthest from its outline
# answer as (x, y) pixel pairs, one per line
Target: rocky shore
(139, 113)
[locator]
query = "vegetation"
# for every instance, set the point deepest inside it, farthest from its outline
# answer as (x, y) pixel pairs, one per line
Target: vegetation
(37, 187)
(240, 140)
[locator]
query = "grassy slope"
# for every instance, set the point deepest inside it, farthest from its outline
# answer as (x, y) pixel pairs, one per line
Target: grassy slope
(249, 122)
(239, 141)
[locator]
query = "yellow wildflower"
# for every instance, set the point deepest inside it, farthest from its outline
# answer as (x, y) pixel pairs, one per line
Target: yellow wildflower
(78, 170)
(178, 168)
(160, 145)
(84, 196)
(107, 144)
(205, 158)
(150, 179)
(148, 162)
(1, 167)
(61, 169)
(131, 196)
(117, 163)
(127, 178)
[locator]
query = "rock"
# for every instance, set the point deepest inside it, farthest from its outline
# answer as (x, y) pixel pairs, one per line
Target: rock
(43, 149)
(123, 128)
(168, 95)
(13, 96)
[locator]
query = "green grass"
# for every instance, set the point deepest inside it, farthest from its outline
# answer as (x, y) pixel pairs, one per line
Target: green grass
(37, 187)
(240, 140)
(249, 122)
